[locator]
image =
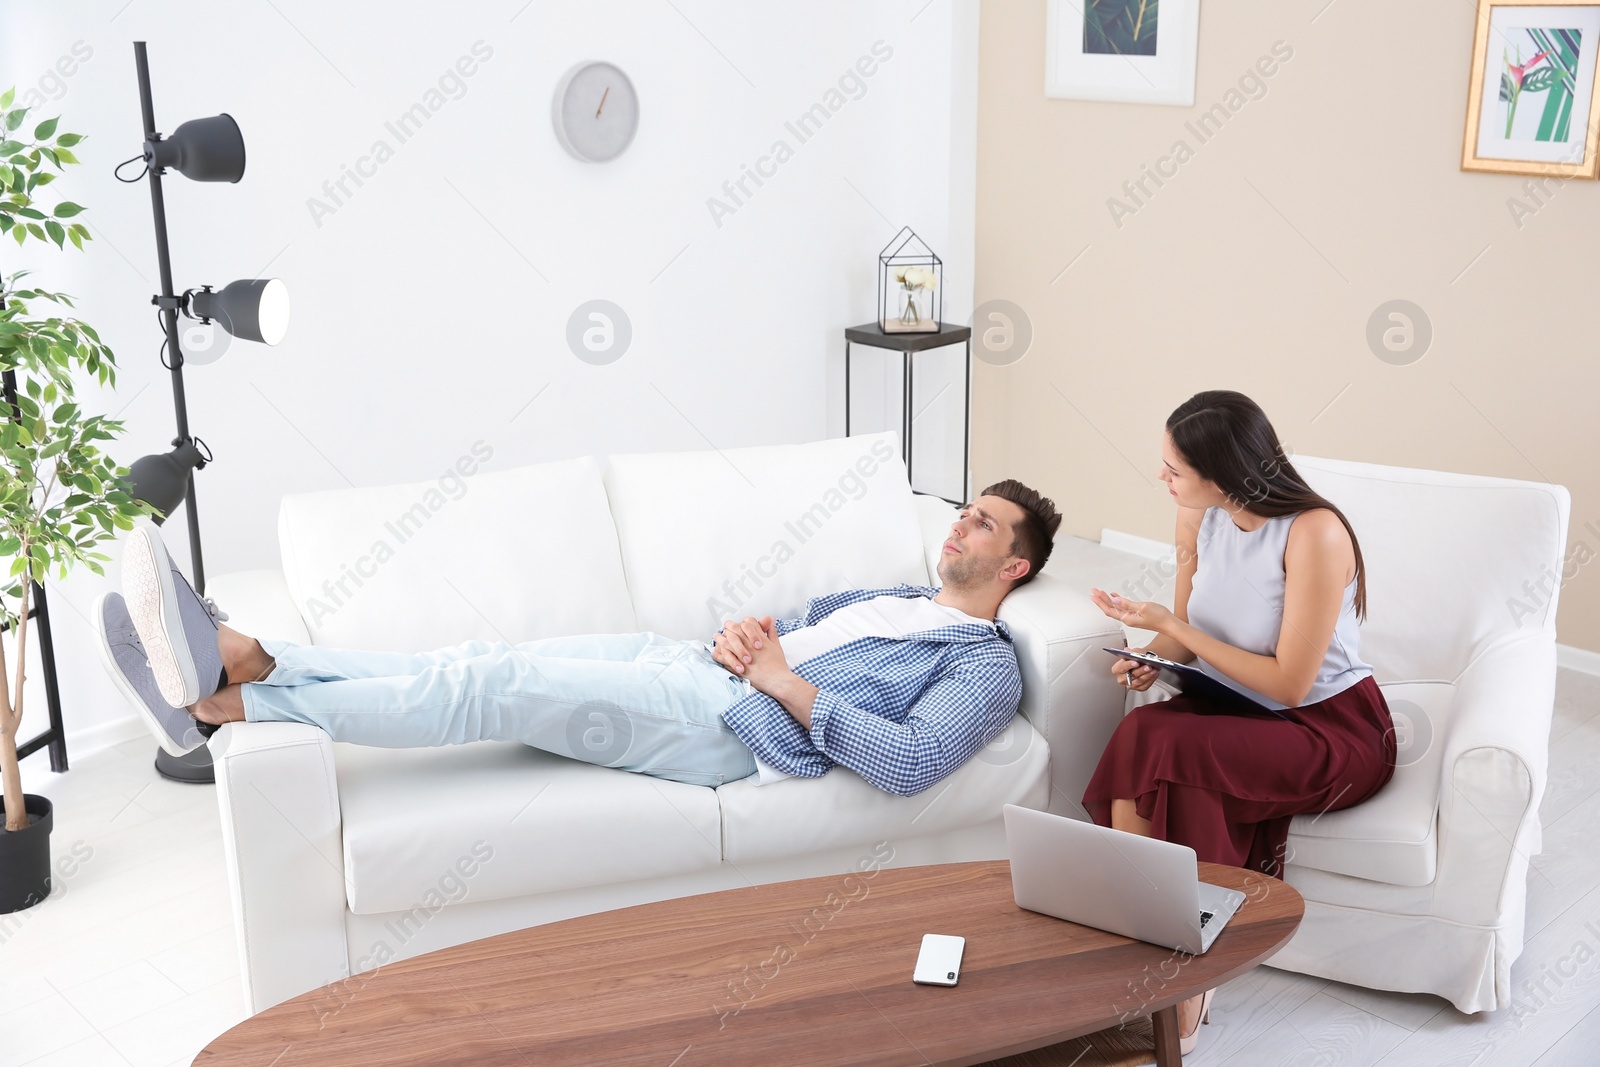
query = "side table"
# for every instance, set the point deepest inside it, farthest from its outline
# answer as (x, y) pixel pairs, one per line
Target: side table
(907, 344)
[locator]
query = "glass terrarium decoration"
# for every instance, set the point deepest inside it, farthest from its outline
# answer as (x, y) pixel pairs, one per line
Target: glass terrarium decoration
(910, 277)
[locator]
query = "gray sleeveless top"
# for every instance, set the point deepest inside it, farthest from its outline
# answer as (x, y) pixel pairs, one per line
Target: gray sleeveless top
(1237, 597)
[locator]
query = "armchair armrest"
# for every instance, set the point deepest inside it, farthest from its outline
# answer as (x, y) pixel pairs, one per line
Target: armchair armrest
(284, 845)
(1496, 755)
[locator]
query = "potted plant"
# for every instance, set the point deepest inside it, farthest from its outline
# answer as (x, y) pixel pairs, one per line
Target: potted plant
(60, 495)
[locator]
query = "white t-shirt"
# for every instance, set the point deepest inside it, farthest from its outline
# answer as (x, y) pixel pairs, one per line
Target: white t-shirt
(882, 616)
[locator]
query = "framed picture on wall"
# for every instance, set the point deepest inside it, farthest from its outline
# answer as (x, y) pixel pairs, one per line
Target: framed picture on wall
(1531, 103)
(1132, 51)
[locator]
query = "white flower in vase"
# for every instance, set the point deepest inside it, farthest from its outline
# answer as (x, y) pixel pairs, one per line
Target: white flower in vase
(915, 280)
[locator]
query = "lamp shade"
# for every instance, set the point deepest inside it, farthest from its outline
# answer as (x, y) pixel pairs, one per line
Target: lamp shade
(163, 481)
(252, 309)
(202, 150)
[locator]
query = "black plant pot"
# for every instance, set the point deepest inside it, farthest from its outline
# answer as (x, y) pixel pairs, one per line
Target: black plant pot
(25, 857)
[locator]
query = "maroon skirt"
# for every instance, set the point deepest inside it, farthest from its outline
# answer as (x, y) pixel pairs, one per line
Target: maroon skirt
(1227, 785)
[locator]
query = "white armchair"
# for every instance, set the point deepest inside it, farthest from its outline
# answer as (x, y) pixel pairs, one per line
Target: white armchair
(1422, 888)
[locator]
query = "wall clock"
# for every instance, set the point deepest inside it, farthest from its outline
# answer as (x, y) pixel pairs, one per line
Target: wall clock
(595, 112)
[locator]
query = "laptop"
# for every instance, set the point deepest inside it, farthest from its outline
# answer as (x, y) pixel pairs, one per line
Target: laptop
(1115, 881)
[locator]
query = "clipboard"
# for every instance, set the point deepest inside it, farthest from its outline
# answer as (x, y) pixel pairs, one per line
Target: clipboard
(1192, 681)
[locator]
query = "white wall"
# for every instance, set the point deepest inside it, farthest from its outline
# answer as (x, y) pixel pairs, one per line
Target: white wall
(431, 303)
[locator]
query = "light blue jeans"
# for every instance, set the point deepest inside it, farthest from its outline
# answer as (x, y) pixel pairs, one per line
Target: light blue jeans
(638, 702)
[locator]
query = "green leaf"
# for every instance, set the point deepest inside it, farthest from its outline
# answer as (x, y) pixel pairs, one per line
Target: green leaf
(61, 155)
(51, 154)
(1539, 80)
(77, 240)
(14, 118)
(66, 209)
(6, 98)
(6, 222)
(44, 178)
(20, 233)
(46, 129)
(57, 232)
(31, 213)
(67, 140)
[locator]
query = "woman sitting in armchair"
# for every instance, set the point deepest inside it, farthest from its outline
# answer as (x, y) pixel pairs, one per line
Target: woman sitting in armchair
(1269, 591)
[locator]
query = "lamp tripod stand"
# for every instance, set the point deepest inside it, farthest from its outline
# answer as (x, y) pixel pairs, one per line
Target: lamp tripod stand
(209, 150)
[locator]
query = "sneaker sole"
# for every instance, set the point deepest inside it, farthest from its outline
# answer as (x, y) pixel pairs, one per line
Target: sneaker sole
(153, 605)
(131, 694)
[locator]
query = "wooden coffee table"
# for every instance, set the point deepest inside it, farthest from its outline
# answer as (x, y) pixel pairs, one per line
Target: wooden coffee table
(816, 971)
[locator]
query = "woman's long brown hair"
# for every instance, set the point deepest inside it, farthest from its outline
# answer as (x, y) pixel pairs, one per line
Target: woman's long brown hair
(1227, 438)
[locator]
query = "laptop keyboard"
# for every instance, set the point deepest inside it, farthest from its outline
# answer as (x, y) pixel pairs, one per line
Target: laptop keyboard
(1205, 917)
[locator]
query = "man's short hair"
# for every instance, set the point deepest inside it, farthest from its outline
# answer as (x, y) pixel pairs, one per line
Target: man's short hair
(1034, 536)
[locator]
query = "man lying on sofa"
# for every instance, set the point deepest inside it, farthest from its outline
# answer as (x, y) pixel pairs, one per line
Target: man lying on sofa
(901, 685)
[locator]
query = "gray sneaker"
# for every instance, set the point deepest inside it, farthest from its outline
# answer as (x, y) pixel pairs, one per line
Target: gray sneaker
(177, 626)
(123, 655)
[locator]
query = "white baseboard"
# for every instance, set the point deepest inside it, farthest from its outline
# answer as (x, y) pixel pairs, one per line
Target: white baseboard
(1133, 544)
(97, 738)
(1578, 659)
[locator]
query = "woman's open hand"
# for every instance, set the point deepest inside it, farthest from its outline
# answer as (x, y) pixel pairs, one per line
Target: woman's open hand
(1139, 614)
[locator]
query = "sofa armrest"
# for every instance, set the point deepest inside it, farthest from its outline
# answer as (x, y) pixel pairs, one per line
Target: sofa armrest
(934, 516)
(258, 603)
(1068, 693)
(1496, 755)
(283, 842)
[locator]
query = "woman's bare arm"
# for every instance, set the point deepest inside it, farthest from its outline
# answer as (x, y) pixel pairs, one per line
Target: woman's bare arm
(1318, 563)
(1186, 538)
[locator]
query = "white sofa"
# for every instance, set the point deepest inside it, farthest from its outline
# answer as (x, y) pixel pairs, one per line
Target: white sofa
(342, 858)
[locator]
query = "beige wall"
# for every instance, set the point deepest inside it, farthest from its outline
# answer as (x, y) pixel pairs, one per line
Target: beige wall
(1258, 265)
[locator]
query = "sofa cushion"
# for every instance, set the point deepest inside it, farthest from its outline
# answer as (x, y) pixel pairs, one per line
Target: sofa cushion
(421, 821)
(707, 536)
(1390, 838)
(498, 556)
(800, 815)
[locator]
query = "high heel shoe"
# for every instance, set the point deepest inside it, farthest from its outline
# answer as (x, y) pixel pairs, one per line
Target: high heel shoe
(1187, 1042)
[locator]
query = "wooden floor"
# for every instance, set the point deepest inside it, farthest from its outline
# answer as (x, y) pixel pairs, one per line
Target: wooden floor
(134, 964)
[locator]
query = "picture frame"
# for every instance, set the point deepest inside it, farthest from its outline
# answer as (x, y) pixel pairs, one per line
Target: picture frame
(1532, 107)
(1126, 51)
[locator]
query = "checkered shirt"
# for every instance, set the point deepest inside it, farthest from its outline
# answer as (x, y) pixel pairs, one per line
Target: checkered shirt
(902, 712)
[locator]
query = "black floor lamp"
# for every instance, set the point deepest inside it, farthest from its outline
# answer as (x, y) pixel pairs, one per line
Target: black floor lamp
(205, 150)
